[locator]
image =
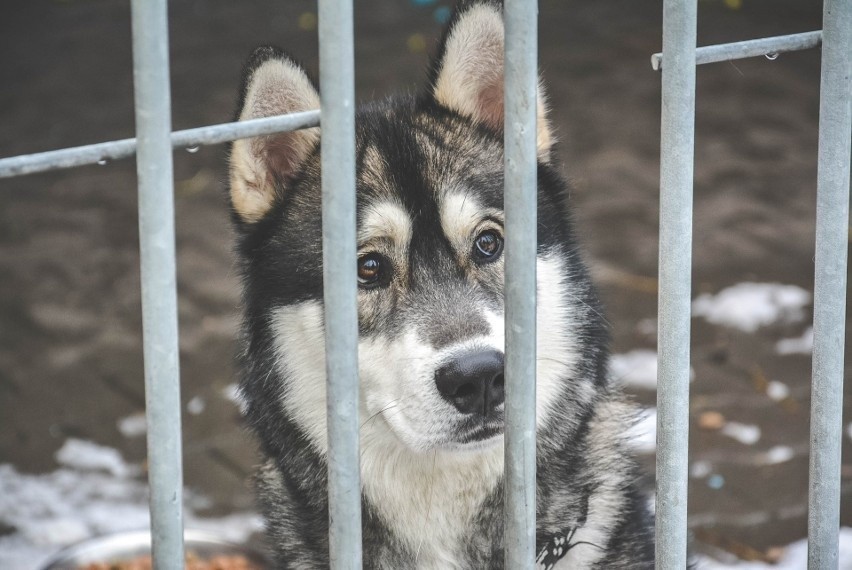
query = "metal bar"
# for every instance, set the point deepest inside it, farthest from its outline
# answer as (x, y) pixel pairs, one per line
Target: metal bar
(676, 177)
(189, 138)
(832, 223)
(337, 83)
(750, 48)
(521, 197)
(159, 289)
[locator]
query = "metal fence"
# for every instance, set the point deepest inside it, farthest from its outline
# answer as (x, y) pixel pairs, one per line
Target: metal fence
(677, 61)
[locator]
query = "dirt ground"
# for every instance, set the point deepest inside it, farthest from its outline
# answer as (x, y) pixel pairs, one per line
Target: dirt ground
(70, 325)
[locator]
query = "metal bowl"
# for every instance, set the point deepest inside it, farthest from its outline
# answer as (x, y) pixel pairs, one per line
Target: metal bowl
(128, 545)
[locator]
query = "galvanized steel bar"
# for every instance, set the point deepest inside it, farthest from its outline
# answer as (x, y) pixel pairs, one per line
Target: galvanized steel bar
(337, 87)
(750, 48)
(159, 289)
(832, 223)
(189, 138)
(676, 175)
(520, 195)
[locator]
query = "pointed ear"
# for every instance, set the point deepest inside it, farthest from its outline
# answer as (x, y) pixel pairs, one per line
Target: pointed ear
(260, 167)
(468, 73)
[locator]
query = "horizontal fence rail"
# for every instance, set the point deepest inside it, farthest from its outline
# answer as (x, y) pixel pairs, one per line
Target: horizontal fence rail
(100, 153)
(769, 47)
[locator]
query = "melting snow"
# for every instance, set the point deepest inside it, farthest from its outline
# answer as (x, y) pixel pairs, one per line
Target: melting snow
(744, 433)
(133, 426)
(801, 345)
(795, 557)
(636, 368)
(643, 434)
(232, 392)
(700, 469)
(749, 306)
(778, 454)
(94, 492)
(87, 456)
(777, 390)
(196, 405)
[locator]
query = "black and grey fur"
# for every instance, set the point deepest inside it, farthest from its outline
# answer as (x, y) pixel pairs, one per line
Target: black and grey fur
(430, 222)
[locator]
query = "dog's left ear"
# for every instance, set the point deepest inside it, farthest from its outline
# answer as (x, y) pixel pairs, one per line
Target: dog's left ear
(262, 167)
(468, 72)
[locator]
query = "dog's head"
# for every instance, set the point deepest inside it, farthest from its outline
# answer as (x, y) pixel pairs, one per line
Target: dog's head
(430, 244)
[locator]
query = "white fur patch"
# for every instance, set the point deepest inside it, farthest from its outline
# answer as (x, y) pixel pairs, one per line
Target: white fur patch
(385, 220)
(461, 215)
(556, 354)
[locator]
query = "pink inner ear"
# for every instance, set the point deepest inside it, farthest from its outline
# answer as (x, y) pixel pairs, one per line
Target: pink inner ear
(491, 104)
(281, 156)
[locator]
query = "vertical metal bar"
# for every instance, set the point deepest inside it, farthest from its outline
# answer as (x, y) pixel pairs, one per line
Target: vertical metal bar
(521, 196)
(337, 86)
(676, 175)
(832, 223)
(159, 291)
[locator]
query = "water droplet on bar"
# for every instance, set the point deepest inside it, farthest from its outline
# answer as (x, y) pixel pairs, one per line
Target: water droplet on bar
(193, 149)
(772, 56)
(103, 162)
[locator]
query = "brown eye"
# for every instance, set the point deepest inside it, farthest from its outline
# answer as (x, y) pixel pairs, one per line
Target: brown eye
(487, 246)
(371, 270)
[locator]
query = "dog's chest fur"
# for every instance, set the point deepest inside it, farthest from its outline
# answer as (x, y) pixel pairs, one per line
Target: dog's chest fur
(431, 501)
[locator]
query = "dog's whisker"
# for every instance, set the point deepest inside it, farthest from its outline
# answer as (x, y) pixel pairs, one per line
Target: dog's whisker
(390, 405)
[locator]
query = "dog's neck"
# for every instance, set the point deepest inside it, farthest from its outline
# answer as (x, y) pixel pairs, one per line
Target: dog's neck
(430, 499)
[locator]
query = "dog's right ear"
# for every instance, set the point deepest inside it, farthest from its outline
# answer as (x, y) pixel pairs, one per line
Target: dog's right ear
(260, 167)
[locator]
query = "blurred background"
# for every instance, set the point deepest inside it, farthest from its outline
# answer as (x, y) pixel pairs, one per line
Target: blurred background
(72, 446)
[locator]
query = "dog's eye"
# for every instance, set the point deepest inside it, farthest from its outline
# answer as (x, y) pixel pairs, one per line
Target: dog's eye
(371, 270)
(487, 246)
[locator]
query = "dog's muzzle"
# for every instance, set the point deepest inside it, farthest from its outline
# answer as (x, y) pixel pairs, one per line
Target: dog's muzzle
(473, 382)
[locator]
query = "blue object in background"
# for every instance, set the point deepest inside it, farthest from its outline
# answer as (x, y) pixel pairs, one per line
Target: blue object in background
(716, 481)
(442, 13)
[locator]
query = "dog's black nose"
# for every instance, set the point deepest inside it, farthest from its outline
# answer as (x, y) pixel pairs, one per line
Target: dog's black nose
(473, 382)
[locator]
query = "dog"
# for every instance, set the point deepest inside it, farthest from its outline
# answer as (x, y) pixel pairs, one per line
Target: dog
(431, 339)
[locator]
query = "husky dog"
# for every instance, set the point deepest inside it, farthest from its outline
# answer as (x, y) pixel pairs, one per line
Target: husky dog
(430, 304)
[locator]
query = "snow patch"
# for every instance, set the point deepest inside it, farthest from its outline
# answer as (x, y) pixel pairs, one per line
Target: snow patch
(778, 391)
(778, 454)
(642, 436)
(795, 557)
(746, 434)
(232, 392)
(700, 469)
(87, 456)
(749, 306)
(133, 426)
(94, 492)
(799, 345)
(196, 405)
(637, 368)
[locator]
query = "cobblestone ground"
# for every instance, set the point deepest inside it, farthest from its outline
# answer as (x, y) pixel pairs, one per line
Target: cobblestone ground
(70, 327)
